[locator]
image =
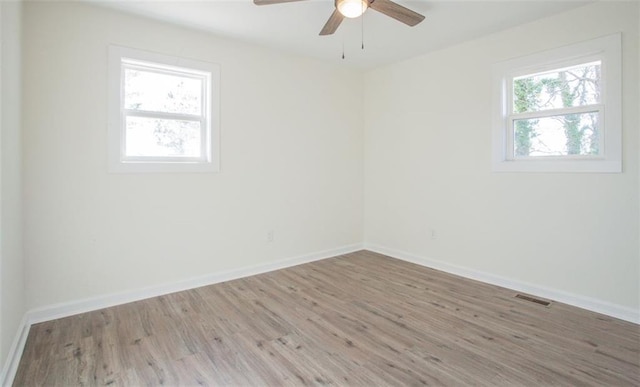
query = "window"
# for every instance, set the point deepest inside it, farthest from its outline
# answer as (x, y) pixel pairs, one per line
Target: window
(163, 114)
(560, 110)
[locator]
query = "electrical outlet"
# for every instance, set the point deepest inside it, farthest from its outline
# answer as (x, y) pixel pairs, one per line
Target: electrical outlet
(270, 236)
(433, 234)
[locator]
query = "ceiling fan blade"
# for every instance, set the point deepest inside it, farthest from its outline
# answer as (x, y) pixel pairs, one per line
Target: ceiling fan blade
(332, 24)
(397, 11)
(268, 2)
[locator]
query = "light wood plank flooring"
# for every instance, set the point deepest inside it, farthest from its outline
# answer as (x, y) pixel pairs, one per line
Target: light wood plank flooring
(361, 319)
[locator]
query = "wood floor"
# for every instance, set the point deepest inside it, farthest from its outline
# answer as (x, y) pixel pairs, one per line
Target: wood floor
(361, 319)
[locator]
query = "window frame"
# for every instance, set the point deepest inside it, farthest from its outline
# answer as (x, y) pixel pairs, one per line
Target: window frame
(607, 50)
(122, 58)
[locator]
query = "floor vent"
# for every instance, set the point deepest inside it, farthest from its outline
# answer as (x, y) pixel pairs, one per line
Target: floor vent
(533, 299)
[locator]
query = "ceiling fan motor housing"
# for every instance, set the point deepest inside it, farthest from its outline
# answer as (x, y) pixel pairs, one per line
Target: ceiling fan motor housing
(352, 8)
(355, 8)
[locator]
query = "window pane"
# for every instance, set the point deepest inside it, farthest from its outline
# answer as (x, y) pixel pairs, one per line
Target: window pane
(561, 88)
(153, 137)
(150, 91)
(562, 135)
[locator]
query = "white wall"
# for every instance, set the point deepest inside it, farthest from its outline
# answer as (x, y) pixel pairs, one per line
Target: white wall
(428, 166)
(291, 161)
(12, 302)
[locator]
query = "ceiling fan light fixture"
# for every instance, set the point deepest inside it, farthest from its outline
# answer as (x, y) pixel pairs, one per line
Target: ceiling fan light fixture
(352, 8)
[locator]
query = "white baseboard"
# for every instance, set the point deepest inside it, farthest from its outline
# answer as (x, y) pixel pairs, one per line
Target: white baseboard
(15, 353)
(81, 306)
(592, 304)
(90, 304)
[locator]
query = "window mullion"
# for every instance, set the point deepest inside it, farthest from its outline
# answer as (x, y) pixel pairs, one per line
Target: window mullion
(556, 112)
(163, 115)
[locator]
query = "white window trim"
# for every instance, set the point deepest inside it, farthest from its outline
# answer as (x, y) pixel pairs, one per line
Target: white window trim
(117, 161)
(608, 50)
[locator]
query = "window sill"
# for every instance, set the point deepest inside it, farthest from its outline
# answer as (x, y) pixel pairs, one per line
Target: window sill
(558, 166)
(155, 167)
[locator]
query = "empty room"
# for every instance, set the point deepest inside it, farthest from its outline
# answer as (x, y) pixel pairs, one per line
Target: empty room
(320, 192)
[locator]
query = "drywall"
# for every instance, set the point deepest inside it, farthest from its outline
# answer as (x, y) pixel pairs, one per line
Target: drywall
(428, 167)
(291, 162)
(12, 303)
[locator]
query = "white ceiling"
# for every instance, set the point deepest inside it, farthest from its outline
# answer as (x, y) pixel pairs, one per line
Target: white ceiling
(294, 27)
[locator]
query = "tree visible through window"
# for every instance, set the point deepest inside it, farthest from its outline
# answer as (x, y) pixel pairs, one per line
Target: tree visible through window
(164, 112)
(560, 110)
(554, 131)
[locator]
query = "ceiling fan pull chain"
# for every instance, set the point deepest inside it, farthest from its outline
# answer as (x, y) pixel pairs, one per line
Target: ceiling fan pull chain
(349, 9)
(362, 26)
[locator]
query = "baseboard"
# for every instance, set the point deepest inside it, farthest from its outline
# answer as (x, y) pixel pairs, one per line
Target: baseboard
(594, 305)
(15, 353)
(90, 304)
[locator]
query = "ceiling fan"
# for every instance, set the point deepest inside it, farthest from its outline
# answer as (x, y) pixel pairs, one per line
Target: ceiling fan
(355, 8)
